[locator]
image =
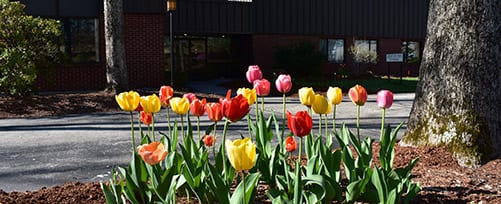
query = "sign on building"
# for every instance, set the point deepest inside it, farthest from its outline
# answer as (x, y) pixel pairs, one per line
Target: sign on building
(395, 57)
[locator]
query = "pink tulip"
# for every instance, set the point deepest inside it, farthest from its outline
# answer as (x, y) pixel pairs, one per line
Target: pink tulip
(283, 83)
(262, 87)
(254, 73)
(384, 99)
(190, 96)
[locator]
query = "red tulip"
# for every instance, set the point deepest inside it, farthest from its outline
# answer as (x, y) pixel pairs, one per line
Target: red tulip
(165, 93)
(146, 118)
(197, 107)
(300, 124)
(262, 87)
(213, 111)
(290, 144)
(384, 99)
(358, 95)
(190, 96)
(139, 108)
(209, 141)
(253, 73)
(234, 109)
(152, 153)
(283, 83)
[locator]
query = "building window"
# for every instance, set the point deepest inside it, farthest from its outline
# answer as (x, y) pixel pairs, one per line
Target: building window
(81, 39)
(411, 51)
(364, 51)
(333, 49)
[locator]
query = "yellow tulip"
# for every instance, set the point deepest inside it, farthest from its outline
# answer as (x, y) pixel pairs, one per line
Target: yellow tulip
(179, 105)
(151, 103)
(128, 101)
(334, 95)
(249, 94)
(241, 153)
(306, 96)
(321, 105)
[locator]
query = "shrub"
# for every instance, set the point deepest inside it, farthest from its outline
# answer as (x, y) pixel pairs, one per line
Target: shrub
(28, 46)
(299, 58)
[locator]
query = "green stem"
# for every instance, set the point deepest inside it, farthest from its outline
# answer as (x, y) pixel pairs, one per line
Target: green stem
(334, 119)
(153, 126)
(257, 112)
(249, 126)
(283, 118)
(222, 145)
(132, 132)
(320, 126)
(168, 121)
(358, 122)
(182, 126)
(139, 124)
(262, 104)
(243, 180)
(382, 124)
(214, 139)
(297, 189)
(326, 127)
(198, 127)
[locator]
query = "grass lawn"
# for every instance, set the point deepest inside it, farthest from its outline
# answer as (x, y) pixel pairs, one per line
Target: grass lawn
(373, 85)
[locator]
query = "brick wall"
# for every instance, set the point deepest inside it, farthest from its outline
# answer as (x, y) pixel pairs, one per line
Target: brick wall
(144, 56)
(144, 42)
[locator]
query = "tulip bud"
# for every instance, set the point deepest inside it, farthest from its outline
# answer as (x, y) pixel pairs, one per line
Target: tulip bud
(290, 144)
(384, 99)
(249, 94)
(146, 118)
(128, 101)
(320, 105)
(253, 73)
(151, 103)
(306, 96)
(299, 124)
(262, 87)
(358, 95)
(334, 95)
(180, 106)
(283, 83)
(165, 93)
(241, 153)
(214, 112)
(197, 107)
(190, 96)
(209, 141)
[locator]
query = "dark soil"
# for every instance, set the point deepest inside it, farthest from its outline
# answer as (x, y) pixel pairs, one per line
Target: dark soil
(441, 178)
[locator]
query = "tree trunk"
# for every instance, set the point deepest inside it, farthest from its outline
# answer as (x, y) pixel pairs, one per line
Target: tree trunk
(116, 68)
(458, 96)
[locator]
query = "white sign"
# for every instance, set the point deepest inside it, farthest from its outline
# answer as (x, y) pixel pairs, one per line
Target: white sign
(395, 57)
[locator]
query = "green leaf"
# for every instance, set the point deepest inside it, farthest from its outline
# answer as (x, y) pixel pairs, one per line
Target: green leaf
(250, 186)
(378, 180)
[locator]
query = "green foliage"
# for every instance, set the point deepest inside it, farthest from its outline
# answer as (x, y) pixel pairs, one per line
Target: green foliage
(188, 169)
(28, 45)
(300, 58)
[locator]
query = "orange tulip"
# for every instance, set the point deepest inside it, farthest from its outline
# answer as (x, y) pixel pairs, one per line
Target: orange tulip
(209, 141)
(290, 144)
(213, 111)
(165, 93)
(197, 107)
(358, 95)
(152, 153)
(146, 118)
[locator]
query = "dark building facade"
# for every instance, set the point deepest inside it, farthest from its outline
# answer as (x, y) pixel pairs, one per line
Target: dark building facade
(222, 37)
